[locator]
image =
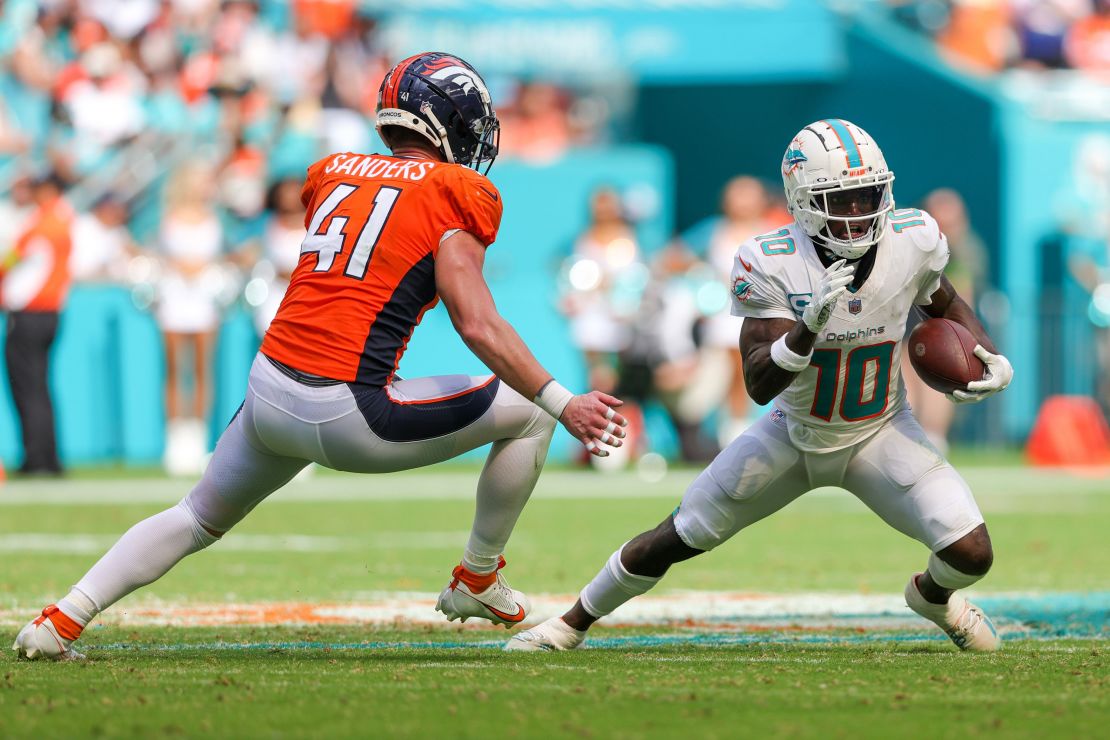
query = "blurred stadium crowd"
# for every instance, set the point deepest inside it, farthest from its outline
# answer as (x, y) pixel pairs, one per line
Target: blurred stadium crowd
(98, 95)
(993, 35)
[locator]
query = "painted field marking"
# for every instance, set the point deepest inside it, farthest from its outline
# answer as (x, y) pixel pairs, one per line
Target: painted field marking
(725, 615)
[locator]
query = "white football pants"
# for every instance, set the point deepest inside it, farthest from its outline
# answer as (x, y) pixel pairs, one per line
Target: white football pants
(896, 472)
(284, 424)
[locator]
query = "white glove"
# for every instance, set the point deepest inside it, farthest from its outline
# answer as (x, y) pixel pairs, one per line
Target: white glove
(833, 283)
(998, 374)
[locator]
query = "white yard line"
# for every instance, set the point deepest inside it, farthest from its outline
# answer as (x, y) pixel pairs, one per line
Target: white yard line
(96, 544)
(1002, 484)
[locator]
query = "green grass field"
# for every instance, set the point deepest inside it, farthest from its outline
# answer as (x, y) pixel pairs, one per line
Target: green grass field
(278, 631)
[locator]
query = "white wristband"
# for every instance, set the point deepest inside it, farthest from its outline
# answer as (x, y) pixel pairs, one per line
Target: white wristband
(787, 358)
(553, 398)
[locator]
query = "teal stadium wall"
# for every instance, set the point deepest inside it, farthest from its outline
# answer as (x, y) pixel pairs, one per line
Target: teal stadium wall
(107, 365)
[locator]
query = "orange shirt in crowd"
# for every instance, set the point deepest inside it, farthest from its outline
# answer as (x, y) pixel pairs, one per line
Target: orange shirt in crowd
(979, 34)
(1088, 45)
(328, 18)
(37, 276)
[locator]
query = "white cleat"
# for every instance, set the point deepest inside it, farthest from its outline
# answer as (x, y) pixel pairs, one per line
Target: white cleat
(549, 636)
(42, 639)
(962, 621)
(499, 602)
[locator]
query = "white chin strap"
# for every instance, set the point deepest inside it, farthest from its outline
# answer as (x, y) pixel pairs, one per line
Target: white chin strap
(404, 119)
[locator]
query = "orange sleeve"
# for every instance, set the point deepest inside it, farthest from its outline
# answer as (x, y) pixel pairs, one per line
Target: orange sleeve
(472, 203)
(311, 182)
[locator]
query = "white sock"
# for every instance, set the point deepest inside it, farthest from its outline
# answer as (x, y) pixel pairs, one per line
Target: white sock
(144, 554)
(78, 607)
(613, 586)
(506, 483)
(945, 576)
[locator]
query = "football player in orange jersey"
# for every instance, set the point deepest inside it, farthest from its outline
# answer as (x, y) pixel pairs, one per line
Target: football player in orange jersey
(387, 237)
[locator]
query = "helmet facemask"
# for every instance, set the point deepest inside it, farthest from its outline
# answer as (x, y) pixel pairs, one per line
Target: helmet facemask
(487, 130)
(847, 216)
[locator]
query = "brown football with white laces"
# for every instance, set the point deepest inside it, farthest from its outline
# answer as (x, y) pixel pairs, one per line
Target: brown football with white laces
(943, 354)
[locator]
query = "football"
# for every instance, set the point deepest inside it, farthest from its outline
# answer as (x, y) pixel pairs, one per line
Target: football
(943, 354)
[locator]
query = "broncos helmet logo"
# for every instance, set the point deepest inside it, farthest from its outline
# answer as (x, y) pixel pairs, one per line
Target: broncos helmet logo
(463, 77)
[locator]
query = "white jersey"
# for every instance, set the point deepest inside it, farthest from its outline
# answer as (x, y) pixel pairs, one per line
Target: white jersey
(853, 384)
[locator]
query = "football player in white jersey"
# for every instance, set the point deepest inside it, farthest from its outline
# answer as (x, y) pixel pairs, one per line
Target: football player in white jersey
(825, 301)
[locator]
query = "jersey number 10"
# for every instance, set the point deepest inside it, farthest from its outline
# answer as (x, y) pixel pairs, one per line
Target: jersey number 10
(330, 243)
(853, 406)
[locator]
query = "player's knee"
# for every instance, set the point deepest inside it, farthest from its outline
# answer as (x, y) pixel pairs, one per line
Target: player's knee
(211, 515)
(653, 552)
(541, 426)
(964, 562)
(971, 554)
(204, 534)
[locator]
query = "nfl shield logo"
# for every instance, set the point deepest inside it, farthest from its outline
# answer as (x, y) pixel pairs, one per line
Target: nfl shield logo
(855, 305)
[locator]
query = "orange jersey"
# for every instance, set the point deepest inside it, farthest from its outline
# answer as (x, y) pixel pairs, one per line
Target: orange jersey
(367, 269)
(39, 279)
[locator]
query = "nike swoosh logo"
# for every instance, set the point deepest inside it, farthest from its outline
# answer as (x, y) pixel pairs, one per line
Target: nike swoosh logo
(487, 192)
(518, 617)
(745, 264)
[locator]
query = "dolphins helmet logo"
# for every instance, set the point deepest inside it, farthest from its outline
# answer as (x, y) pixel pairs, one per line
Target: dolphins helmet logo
(793, 158)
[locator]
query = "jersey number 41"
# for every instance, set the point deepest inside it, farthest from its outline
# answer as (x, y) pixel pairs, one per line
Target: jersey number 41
(328, 244)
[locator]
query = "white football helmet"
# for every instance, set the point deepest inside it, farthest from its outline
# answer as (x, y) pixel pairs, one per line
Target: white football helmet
(832, 156)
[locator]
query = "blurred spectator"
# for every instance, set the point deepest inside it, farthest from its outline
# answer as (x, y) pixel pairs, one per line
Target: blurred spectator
(1042, 26)
(1088, 41)
(13, 138)
(1089, 263)
(124, 19)
(668, 344)
(34, 289)
(746, 211)
(15, 208)
(327, 18)
(536, 125)
(605, 275)
(967, 270)
(188, 313)
(101, 242)
(1086, 225)
(281, 250)
(967, 263)
(105, 105)
(993, 35)
(979, 35)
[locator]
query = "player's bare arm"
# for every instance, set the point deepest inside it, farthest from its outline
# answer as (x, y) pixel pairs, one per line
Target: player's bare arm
(462, 287)
(947, 304)
(776, 350)
(763, 377)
